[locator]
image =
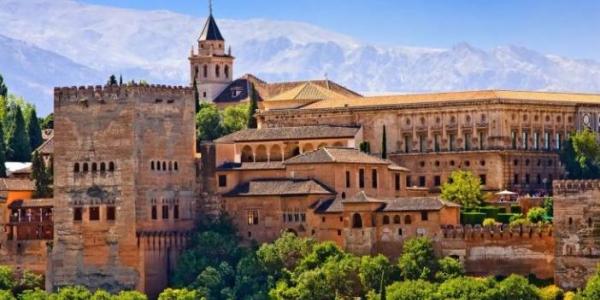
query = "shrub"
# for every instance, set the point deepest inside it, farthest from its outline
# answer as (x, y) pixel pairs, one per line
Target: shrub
(411, 290)
(448, 268)
(519, 222)
(570, 296)
(501, 210)
(551, 292)
(489, 222)
(504, 218)
(517, 287)
(536, 214)
(489, 211)
(515, 209)
(472, 218)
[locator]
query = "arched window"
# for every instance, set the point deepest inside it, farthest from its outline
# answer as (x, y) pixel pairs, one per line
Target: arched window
(400, 231)
(175, 166)
(170, 166)
(158, 165)
(217, 71)
(386, 220)
(590, 222)
(261, 153)
(94, 167)
(570, 221)
(152, 165)
(76, 167)
(296, 151)
(164, 166)
(102, 167)
(307, 147)
(275, 153)
(343, 195)
(85, 167)
(396, 219)
(247, 155)
(407, 219)
(205, 71)
(356, 221)
(111, 166)
(226, 69)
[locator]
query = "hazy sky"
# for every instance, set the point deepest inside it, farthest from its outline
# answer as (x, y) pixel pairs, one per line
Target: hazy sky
(565, 27)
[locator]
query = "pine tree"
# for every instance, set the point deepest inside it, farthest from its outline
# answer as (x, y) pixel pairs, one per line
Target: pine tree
(18, 140)
(252, 107)
(3, 88)
(2, 153)
(112, 80)
(40, 175)
(34, 131)
(384, 144)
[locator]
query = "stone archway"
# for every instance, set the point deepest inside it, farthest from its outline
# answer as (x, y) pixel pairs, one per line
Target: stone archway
(261, 154)
(247, 154)
(357, 221)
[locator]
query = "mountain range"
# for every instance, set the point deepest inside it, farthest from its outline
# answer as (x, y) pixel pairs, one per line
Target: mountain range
(47, 43)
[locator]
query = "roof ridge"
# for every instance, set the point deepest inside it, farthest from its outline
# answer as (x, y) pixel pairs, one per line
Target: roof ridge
(329, 154)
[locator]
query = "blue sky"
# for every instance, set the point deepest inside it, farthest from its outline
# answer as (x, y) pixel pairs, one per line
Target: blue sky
(564, 27)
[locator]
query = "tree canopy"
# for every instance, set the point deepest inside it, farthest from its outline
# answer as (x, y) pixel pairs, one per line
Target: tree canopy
(580, 155)
(19, 148)
(462, 188)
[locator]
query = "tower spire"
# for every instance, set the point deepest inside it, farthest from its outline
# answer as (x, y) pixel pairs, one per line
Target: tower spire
(210, 7)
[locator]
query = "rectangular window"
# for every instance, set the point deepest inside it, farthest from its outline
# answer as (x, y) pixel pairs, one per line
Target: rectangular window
(154, 213)
(302, 217)
(467, 141)
(222, 180)
(374, 178)
(397, 181)
(482, 179)
(525, 141)
(290, 218)
(421, 143)
(536, 141)
(558, 141)
(348, 179)
(437, 180)
(424, 216)
(94, 213)
(526, 178)
(407, 144)
(176, 212)
(361, 178)
(451, 142)
(253, 217)
(78, 214)
(421, 181)
(513, 139)
(408, 181)
(165, 211)
(436, 143)
(516, 179)
(546, 140)
(539, 179)
(481, 140)
(111, 213)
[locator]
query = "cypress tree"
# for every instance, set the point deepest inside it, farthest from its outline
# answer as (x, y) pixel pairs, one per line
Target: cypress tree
(112, 80)
(252, 107)
(40, 175)
(3, 88)
(2, 153)
(34, 131)
(196, 96)
(120, 79)
(18, 140)
(384, 144)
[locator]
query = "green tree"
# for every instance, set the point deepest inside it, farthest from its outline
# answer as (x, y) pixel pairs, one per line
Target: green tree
(384, 144)
(178, 294)
(72, 293)
(2, 153)
(311, 284)
(130, 295)
(196, 96)
(417, 260)
(449, 268)
(7, 281)
(517, 287)
(536, 214)
(209, 123)
(376, 272)
(252, 123)
(411, 290)
(6, 295)
(251, 278)
(284, 254)
(580, 155)
(3, 88)
(235, 118)
(40, 176)
(34, 131)
(592, 287)
(101, 295)
(549, 206)
(48, 122)
(19, 148)
(342, 276)
(29, 281)
(320, 253)
(36, 294)
(463, 188)
(468, 288)
(112, 80)
(3, 108)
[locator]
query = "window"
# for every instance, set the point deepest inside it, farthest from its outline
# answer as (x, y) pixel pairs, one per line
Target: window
(400, 231)
(421, 181)
(516, 179)
(397, 181)
(408, 181)
(451, 139)
(396, 219)
(374, 178)
(85, 167)
(526, 178)
(356, 221)
(176, 212)
(482, 179)
(407, 220)
(436, 143)
(539, 179)
(158, 165)
(513, 139)
(222, 180)
(77, 214)
(361, 178)
(339, 232)
(347, 179)
(424, 216)
(253, 217)
(421, 143)
(111, 166)
(164, 165)
(94, 167)
(302, 217)
(525, 141)
(481, 140)
(437, 180)
(217, 71)
(111, 213)
(536, 141)
(296, 217)
(558, 141)
(154, 213)
(386, 220)
(76, 168)
(175, 166)
(546, 141)
(407, 144)
(165, 212)
(467, 141)
(102, 167)
(226, 70)
(94, 213)
(205, 71)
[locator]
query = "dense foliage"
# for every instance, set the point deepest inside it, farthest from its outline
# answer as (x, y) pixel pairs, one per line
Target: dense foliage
(213, 123)
(580, 155)
(462, 188)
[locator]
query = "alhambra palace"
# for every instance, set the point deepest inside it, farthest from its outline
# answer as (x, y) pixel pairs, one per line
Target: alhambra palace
(131, 180)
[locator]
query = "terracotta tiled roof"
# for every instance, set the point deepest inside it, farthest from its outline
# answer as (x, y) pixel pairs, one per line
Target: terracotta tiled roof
(305, 91)
(279, 187)
(417, 203)
(16, 184)
(289, 133)
(361, 197)
(455, 97)
(333, 205)
(273, 165)
(339, 155)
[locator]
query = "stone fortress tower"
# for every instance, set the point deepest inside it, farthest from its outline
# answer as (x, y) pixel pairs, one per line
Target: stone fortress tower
(211, 68)
(124, 185)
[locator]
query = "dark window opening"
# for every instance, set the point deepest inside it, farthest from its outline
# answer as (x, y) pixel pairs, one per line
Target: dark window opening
(154, 213)
(253, 217)
(85, 167)
(374, 178)
(437, 180)
(165, 212)
(424, 216)
(176, 212)
(397, 182)
(386, 220)
(78, 214)
(516, 178)
(102, 167)
(76, 168)
(407, 220)
(408, 181)
(396, 219)
(111, 213)
(400, 231)
(356, 221)
(482, 179)
(175, 166)
(152, 165)
(111, 166)
(339, 232)
(94, 213)
(222, 180)
(94, 167)
(421, 181)
(347, 179)
(361, 178)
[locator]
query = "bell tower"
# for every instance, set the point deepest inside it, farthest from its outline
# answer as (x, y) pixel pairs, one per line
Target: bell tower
(211, 68)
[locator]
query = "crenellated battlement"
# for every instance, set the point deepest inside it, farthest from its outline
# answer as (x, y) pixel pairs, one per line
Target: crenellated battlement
(497, 232)
(108, 93)
(574, 186)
